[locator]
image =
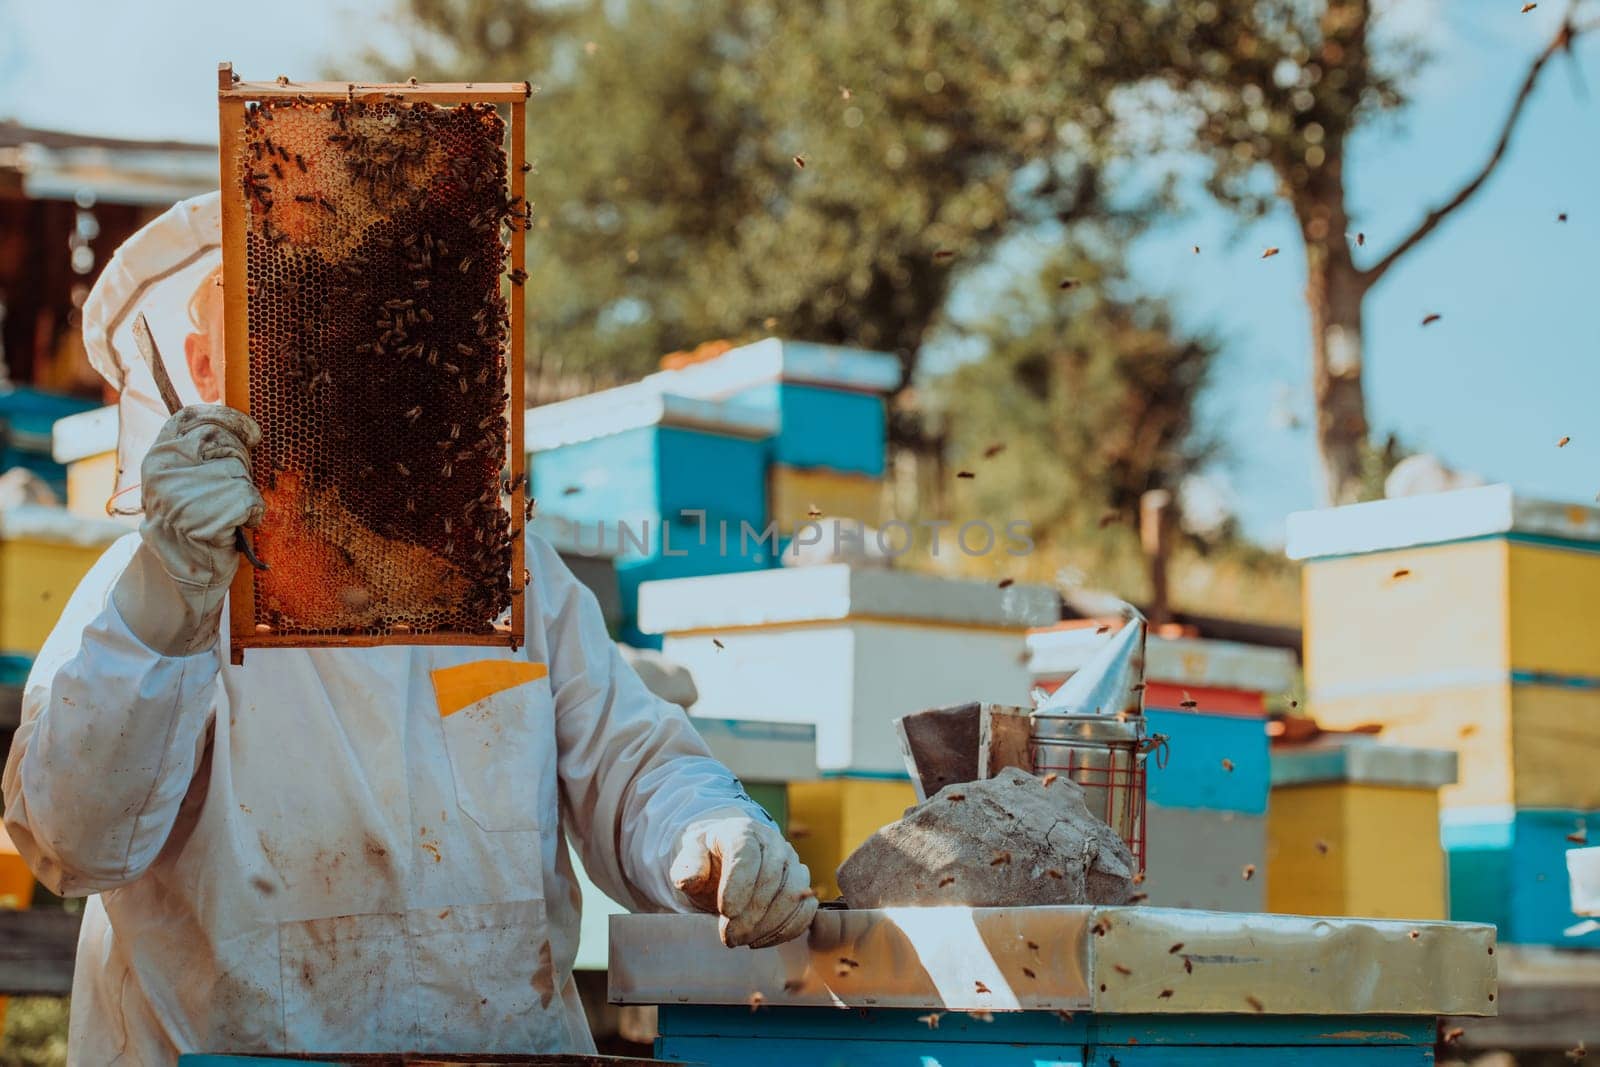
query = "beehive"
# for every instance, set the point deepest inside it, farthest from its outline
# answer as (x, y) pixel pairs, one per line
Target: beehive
(374, 334)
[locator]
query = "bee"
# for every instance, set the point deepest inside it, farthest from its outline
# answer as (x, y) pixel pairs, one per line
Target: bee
(1175, 949)
(413, 414)
(800, 161)
(1138, 898)
(283, 79)
(1580, 836)
(1108, 518)
(1269, 253)
(302, 198)
(965, 474)
(1452, 1035)
(1001, 860)
(931, 1020)
(1227, 765)
(1165, 994)
(1188, 702)
(1361, 239)
(1321, 847)
(1068, 284)
(1414, 934)
(1053, 873)
(1101, 927)
(1528, 7)
(300, 161)
(1188, 965)
(1430, 318)
(1249, 871)
(756, 999)
(1006, 583)
(1103, 628)
(277, 171)
(1255, 1003)
(979, 987)
(942, 254)
(402, 469)
(1563, 442)
(1403, 572)
(1562, 217)
(1122, 969)
(994, 450)
(518, 276)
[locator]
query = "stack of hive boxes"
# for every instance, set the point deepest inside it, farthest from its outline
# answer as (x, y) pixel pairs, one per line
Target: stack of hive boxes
(680, 474)
(848, 650)
(1467, 621)
(1208, 789)
(1353, 829)
(653, 479)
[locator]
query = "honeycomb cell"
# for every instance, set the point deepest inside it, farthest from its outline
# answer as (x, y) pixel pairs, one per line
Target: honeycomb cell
(378, 334)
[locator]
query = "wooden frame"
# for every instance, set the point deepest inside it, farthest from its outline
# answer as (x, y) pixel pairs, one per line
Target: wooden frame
(232, 96)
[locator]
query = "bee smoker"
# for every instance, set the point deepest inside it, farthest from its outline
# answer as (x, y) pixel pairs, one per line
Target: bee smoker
(1092, 731)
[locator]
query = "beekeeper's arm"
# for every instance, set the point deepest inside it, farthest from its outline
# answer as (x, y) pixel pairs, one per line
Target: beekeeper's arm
(115, 710)
(661, 825)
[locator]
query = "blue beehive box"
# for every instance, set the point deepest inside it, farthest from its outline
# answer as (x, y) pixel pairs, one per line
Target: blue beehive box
(1511, 870)
(26, 416)
(670, 486)
(1194, 775)
(828, 401)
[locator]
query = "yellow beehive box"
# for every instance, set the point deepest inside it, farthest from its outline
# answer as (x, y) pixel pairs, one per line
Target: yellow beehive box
(86, 444)
(796, 495)
(830, 818)
(16, 889)
(1353, 829)
(1448, 589)
(1467, 621)
(44, 553)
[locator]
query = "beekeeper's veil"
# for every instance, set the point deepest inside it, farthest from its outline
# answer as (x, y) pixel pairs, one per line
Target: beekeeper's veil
(157, 271)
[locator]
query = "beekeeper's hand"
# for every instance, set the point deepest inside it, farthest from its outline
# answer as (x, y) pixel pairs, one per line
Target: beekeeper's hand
(743, 870)
(196, 488)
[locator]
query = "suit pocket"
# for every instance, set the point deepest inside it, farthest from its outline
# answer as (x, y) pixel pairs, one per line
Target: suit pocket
(486, 979)
(347, 983)
(502, 757)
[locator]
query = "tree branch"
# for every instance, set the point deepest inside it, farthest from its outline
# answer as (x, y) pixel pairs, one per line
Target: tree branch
(1561, 42)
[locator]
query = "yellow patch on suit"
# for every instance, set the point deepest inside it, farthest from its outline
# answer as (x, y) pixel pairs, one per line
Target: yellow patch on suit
(465, 684)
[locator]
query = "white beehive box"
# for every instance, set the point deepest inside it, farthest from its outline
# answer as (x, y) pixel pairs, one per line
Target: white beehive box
(846, 649)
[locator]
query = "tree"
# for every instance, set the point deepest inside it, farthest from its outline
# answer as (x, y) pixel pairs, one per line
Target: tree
(1083, 402)
(1283, 85)
(820, 169)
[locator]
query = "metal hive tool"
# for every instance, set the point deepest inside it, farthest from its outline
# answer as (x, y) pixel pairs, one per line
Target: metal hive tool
(374, 331)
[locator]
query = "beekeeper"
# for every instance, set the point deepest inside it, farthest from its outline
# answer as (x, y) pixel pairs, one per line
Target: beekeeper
(336, 849)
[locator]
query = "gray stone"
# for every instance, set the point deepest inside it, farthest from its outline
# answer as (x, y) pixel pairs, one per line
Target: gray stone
(1006, 841)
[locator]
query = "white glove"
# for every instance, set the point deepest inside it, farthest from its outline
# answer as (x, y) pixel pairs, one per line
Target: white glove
(196, 488)
(744, 870)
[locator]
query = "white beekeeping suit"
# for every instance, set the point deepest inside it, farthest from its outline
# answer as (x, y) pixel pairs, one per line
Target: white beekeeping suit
(338, 849)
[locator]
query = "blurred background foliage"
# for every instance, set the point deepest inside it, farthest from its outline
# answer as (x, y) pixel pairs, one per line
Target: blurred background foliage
(849, 172)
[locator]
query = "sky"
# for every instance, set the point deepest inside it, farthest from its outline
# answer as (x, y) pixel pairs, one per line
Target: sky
(1510, 368)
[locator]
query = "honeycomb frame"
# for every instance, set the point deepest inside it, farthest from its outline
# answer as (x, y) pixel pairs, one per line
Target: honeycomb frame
(363, 524)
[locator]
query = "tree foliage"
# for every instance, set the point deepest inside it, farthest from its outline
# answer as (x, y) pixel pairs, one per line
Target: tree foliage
(1084, 401)
(822, 169)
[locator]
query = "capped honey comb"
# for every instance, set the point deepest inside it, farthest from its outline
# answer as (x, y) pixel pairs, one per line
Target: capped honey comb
(379, 332)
